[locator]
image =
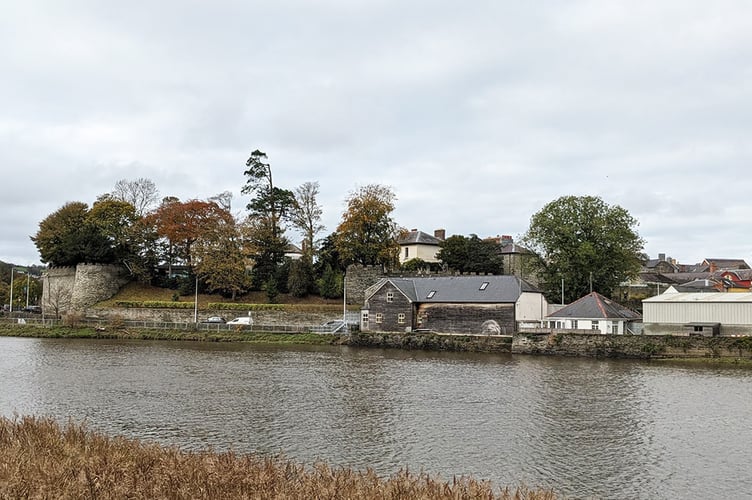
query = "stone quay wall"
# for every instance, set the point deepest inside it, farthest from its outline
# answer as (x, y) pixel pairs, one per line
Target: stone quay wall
(631, 346)
(432, 342)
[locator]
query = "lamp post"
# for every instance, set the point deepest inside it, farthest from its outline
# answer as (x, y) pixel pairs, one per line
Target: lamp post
(11, 288)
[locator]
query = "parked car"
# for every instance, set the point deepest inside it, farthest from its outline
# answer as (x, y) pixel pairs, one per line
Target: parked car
(214, 319)
(33, 309)
(241, 320)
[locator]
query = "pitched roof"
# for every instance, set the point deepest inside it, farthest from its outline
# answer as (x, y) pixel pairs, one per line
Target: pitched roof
(728, 263)
(459, 289)
(418, 238)
(595, 305)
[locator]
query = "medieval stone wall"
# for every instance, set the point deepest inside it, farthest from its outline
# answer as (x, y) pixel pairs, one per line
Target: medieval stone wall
(67, 289)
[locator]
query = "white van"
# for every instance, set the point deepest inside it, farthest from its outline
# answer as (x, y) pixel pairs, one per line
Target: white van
(242, 320)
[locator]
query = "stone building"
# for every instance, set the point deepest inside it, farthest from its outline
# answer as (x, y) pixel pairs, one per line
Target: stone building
(457, 304)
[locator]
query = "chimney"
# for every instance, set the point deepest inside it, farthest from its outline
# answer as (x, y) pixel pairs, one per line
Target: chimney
(440, 234)
(661, 257)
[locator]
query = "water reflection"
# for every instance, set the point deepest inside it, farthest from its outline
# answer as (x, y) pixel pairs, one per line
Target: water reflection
(588, 428)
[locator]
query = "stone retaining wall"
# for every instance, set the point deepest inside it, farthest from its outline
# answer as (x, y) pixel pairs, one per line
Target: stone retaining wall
(432, 342)
(303, 319)
(632, 346)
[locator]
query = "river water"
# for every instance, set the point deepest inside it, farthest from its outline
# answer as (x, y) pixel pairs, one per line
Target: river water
(585, 428)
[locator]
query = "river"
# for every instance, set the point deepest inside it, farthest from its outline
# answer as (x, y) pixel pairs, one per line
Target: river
(583, 427)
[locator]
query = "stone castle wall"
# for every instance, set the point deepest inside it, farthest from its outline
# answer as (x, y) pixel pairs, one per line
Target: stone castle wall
(67, 289)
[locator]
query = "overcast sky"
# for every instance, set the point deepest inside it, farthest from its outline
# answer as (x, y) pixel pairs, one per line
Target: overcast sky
(477, 113)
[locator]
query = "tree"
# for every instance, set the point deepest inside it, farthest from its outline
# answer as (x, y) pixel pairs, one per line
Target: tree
(68, 237)
(268, 208)
(219, 259)
(141, 193)
(367, 234)
(113, 220)
(183, 223)
(583, 240)
(471, 255)
(300, 278)
(306, 217)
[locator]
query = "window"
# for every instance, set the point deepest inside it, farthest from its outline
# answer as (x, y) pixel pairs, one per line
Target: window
(697, 328)
(407, 252)
(390, 295)
(379, 317)
(593, 324)
(364, 319)
(574, 324)
(614, 327)
(401, 317)
(483, 285)
(431, 294)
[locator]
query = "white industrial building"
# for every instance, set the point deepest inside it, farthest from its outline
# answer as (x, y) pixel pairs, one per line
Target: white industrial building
(676, 313)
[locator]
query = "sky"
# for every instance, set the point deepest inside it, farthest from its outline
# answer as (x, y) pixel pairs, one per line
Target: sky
(477, 114)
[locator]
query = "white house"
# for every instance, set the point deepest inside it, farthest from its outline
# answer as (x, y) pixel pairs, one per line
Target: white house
(595, 313)
(419, 245)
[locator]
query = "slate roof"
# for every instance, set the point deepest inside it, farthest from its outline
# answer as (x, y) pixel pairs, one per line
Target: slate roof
(595, 306)
(728, 263)
(514, 248)
(459, 289)
(419, 238)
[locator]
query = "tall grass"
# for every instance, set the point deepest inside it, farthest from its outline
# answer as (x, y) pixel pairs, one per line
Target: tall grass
(40, 458)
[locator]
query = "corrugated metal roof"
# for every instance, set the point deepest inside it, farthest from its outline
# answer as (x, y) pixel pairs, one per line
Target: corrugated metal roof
(595, 305)
(702, 297)
(462, 289)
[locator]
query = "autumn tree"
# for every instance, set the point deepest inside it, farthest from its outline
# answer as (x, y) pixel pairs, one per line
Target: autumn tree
(219, 258)
(367, 233)
(471, 255)
(142, 193)
(268, 209)
(585, 242)
(183, 223)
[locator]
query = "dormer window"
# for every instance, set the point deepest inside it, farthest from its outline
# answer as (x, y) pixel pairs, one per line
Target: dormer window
(431, 294)
(483, 285)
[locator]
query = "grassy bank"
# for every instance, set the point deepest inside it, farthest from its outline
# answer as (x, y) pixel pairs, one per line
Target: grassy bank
(41, 459)
(154, 334)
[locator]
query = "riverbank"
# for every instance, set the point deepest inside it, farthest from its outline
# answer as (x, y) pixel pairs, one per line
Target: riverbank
(720, 350)
(40, 458)
(14, 330)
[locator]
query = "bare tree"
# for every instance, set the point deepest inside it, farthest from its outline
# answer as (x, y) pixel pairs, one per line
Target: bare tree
(306, 216)
(223, 199)
(142, 193)
(56, 298)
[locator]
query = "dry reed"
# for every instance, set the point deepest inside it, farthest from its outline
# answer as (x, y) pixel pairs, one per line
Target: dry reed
(40, 458)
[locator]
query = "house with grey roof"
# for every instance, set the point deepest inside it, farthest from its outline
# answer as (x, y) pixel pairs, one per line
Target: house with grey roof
(596, 313)
(494, 305)
(419, 245)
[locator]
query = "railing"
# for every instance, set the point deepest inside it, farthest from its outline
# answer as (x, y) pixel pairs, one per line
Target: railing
(162, 325)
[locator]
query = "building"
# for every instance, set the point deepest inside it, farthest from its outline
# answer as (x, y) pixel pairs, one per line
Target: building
(596, 314)
(419, 245)
(677, 313)
(454, 304)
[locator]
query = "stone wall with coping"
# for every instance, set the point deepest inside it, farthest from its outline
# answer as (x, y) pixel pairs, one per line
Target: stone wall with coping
(67, 289)
(301, 319)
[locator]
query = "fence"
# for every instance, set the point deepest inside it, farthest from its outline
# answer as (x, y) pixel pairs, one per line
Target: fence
(162, 325)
